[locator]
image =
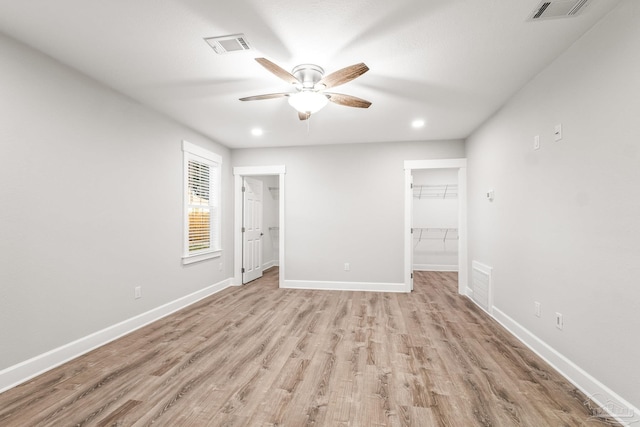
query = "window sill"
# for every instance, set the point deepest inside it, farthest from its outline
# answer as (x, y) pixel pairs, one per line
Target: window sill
(191, 259)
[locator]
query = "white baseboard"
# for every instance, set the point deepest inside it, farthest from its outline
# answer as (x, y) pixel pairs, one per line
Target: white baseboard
(434, 267)
(345, 286)
(24, 371)
(614, 405)
(269, 264)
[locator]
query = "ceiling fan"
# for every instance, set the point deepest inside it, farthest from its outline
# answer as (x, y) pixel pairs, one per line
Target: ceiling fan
(310, 84)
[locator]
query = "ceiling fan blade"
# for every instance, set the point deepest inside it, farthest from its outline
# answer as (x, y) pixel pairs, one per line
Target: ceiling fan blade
(342, 76)
(278, 71)
(304, 116)
(348, 100)
(266, 96)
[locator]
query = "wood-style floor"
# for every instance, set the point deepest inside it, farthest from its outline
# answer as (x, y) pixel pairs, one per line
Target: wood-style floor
(261, 356)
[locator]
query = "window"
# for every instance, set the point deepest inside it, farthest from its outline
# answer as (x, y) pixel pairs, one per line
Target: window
(201, 204)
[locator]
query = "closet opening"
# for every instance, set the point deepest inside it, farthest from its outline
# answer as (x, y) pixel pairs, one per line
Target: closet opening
(259, 222)
(260, 225)
(436, 218)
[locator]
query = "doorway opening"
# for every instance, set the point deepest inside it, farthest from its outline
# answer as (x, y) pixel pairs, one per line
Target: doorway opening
(259, 221)
(260, 225)
(442, 237)
(435, 220)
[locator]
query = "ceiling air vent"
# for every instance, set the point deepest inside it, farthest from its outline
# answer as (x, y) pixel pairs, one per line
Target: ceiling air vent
(557, 9)
(227, 44)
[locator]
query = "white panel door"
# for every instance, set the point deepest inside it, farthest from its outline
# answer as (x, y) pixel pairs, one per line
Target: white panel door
(253, 232)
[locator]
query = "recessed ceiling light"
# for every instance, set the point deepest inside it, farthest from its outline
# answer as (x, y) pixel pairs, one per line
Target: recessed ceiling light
(256, 132)
(418, 123)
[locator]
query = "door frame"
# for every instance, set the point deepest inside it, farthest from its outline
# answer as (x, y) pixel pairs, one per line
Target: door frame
(461, 166)
(238, 173)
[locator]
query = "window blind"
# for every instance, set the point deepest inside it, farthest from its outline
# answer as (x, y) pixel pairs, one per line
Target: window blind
(199, 184)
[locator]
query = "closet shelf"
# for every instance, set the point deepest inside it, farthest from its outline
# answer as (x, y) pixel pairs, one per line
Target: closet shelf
(443, 191)
(274, 228)
(275, 191)
(443, 234)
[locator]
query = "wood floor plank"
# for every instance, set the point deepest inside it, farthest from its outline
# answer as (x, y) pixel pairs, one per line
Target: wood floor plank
(258, 355)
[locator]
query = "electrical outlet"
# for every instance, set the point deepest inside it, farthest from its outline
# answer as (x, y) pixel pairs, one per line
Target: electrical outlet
(559, 321)
(137, 292)
(536, 142)
(347, 267)
(537, 309)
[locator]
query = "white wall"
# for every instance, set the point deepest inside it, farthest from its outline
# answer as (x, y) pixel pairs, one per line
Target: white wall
(564, 228)
(436, 251)
(90, 207)
(345, 204)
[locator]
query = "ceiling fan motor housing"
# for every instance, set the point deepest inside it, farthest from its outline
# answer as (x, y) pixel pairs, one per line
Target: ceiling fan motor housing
(308, 74)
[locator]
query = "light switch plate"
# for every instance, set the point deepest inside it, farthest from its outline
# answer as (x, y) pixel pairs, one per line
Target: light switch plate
(559, 321)
(557, 132)
(490, 195)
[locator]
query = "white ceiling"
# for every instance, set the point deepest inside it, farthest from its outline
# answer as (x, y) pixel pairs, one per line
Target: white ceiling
(452, 63)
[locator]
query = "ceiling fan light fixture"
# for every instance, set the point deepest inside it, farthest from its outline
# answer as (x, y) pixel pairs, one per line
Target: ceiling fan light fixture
(308, 101)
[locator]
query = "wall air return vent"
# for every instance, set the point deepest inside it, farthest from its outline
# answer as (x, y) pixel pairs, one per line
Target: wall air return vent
(227, 44)
(481, 286)
(553, 9)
